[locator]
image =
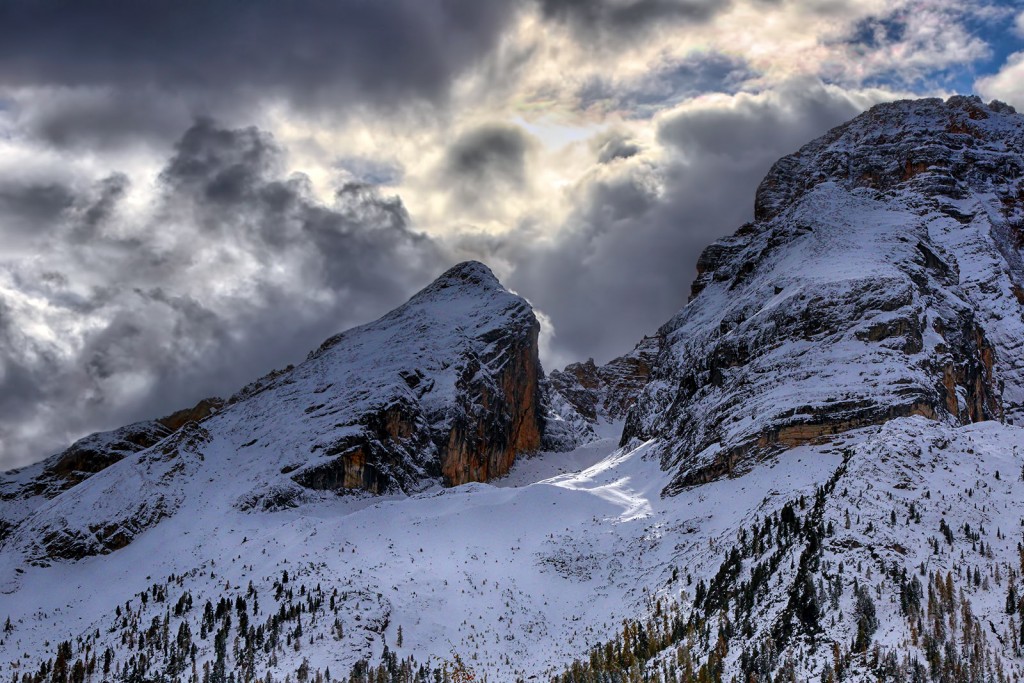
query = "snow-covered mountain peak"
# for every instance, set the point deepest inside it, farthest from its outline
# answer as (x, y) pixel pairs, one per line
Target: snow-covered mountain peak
(467, 292)
(930, 146)
(470, 274)
(881, 278)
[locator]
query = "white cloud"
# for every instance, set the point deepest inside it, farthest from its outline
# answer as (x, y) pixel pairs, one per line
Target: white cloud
(1007, 84)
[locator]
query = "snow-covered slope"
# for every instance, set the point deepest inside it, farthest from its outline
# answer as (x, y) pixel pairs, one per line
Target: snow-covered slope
(522, 575)
(25, 489)
(517, 576)
(880, 279)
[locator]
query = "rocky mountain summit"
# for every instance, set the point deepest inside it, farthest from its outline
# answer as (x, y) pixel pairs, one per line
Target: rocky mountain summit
(880, 278)
(445, 386)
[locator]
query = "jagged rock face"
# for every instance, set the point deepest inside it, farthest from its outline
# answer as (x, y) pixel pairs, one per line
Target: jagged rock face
(607, 391)
(447, 385)
(624, 377)
(877, 281)
(580, 384)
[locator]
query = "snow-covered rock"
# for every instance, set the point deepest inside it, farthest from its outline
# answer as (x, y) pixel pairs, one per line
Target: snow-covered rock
(583, 397)
(881, 278)
(25, 489)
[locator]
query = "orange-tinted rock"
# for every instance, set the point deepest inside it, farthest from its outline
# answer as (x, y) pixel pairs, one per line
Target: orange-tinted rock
(197, 413)
(445, 387)
(483, 444)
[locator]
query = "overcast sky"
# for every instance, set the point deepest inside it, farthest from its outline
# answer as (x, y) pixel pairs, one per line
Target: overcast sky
(195, 192)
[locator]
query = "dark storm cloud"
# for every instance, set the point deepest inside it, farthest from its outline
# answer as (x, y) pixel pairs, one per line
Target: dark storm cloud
(319, 50)
(626, 260)
(693, 75)
(100, 118)
(230, 179)
(30, 207)
(223, 166)
(485, 162)
(617, 19)
(492, 151)
(236, 269)
(758, 128)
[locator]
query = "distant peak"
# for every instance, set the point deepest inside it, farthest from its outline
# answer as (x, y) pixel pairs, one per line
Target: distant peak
(468, 271)
(972, 105)
(466, 274)
(926, 146)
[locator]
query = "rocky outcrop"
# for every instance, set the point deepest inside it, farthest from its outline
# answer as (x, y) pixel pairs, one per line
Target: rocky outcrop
(585, 395)
(606, 392)
(499, 412)
(877, 281)
(446, 386)
(197, 413)
(92, 454)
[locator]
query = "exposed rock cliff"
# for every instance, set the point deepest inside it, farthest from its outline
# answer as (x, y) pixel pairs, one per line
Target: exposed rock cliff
(878, 280)
(585, 394)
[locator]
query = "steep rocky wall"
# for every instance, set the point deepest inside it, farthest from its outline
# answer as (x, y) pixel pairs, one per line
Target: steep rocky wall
(877, 281)
(500, 414)
(584, 393)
